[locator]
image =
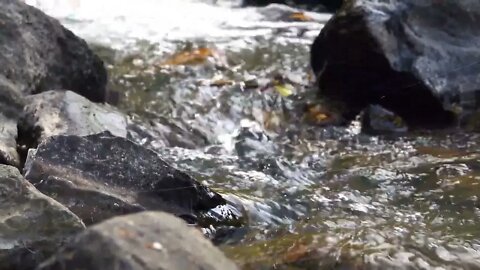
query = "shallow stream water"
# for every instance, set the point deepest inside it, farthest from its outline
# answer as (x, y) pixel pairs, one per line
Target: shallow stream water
(315, 197)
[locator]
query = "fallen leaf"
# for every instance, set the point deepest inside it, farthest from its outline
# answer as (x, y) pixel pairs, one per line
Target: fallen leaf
(300, 17)
(193, 57)
(317, 114)
(284, 90)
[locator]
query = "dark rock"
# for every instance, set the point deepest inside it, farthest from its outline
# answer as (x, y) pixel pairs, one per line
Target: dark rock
(149, 240)
(32, 225)
(418, 59)
(101, 176)
(328, 5)
(39, 54)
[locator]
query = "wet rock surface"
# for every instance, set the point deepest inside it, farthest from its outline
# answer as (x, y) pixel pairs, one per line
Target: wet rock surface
(321, 197)
(101, 176)
(415, 58)
(32, 225)
(149, 240)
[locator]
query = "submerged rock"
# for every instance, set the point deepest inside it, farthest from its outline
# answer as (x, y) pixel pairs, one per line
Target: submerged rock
(101, 176)
(32, 225)
(418, 59)
(377, 120)
(149, 240)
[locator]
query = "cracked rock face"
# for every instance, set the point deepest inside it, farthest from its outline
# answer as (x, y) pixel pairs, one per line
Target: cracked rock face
(418, 59)
(101, 176)
(32, 225)
(144, 241)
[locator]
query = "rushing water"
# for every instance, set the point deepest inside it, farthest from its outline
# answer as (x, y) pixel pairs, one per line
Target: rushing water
(315, 197)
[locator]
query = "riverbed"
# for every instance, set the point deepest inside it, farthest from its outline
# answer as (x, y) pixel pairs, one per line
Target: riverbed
(314, 196)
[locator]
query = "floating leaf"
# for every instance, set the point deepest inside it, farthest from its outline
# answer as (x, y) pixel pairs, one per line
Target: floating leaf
(193, 57)
(284, 90)
(300, 17)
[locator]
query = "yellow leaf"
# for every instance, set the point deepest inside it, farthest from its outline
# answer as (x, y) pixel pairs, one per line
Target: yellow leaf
(284, 90)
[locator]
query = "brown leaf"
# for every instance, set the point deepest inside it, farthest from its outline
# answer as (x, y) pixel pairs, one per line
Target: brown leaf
(317, 114)
(299, 17)
(193, 57)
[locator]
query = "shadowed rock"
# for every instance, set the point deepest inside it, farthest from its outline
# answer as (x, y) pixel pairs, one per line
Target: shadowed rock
(32, 225)
(149, 240)
(418, 59)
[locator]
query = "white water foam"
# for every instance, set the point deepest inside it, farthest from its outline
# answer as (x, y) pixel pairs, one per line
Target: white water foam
(121, 23)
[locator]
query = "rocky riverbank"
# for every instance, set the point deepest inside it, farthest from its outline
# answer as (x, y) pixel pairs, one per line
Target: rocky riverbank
(84, 163)
(220, 129)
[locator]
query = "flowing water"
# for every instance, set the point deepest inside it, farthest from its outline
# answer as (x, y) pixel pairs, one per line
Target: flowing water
(315, 197)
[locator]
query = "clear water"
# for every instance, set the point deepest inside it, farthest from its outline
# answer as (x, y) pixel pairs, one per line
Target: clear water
(315, 197)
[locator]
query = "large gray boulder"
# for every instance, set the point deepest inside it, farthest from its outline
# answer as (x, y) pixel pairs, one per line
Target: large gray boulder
(418, 59)
(101, 176)
(32, 225)
(145, 241)
(38, 54)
